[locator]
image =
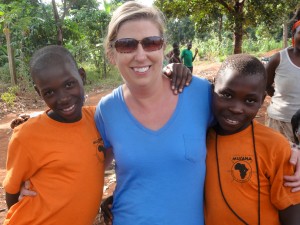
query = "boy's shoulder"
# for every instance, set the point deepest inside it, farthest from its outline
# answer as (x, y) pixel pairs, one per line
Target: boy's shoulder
(89, 110)
(270, 136)
(34, 124)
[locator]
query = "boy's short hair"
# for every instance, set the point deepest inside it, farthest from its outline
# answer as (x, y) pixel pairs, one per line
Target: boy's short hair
(50, 55)
(295, 121)
(244, 64)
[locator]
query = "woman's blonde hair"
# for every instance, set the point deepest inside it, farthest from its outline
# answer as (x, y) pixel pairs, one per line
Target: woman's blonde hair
(131, 11)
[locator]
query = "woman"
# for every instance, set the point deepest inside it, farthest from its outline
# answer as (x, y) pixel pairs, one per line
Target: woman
(284, 72)
(157, 138)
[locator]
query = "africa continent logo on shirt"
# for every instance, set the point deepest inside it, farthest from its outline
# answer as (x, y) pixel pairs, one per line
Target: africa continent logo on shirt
(241, 170)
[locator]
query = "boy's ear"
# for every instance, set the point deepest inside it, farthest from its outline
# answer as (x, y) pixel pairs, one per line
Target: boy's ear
(82, 74)
(36, 89)
(263, 98)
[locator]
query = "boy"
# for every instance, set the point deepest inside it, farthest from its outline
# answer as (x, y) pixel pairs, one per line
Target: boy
(59, 151)
(246, 160)
(175, 57)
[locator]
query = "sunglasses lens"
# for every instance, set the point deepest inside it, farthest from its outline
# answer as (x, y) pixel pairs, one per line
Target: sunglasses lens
(126, 45)
(152, 43)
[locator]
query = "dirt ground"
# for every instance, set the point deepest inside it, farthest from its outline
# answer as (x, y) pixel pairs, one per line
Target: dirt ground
(29, 104)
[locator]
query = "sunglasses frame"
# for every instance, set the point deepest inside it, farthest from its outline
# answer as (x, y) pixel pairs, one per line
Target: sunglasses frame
(134, 44)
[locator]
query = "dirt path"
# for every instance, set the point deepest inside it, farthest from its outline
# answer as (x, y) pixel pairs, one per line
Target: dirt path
(202, 69)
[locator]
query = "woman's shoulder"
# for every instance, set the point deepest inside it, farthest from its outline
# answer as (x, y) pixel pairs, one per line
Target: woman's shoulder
(110, 100)
(200, 82)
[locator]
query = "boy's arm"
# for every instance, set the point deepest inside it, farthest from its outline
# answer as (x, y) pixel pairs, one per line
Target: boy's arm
(294, 180)
(180, 76)
(11, 199)
(271, 68)
(290, 215)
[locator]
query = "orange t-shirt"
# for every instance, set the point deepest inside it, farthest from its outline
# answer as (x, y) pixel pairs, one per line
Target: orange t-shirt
(64, 166)
(238, 176)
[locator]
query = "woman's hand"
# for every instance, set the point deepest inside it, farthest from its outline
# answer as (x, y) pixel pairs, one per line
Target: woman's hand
(180, 76)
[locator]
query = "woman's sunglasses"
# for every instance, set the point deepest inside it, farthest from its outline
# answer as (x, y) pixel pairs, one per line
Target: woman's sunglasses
(128, 45)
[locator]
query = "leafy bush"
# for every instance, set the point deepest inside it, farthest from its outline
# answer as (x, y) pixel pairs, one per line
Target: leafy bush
(4, 74)
(10, 96)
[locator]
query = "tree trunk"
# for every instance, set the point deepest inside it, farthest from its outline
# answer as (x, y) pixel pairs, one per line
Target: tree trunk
(220, 28)
(238, 37)
(58, 23)
(238, 26)
(11, 58)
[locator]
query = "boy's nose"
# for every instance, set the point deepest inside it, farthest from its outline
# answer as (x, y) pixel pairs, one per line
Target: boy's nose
(63, 97)
(236, 107)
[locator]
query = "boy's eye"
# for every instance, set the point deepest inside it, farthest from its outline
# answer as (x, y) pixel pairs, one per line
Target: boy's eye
(70, 84)
(48, 93)
(251, 101)
(225, 95)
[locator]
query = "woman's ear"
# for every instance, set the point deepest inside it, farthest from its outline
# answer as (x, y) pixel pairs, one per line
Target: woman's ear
(111, 57)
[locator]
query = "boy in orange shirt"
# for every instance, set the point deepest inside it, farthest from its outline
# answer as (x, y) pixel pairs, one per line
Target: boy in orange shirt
(245, 160)
(59, 151)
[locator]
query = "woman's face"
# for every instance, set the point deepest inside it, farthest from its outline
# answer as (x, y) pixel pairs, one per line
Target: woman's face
(139, 68)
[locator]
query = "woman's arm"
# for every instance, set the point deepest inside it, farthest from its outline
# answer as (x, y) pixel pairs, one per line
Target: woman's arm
(271, 68)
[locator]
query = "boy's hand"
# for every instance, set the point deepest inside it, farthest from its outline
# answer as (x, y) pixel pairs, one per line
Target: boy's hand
(180, 76)
(294, 180)
(25, 190)
(106, 210)
(19, 120)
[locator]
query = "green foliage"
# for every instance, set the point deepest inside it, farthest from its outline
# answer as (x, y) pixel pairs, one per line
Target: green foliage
(10, 96)
(96, 81)
(4, 74)
(233, 16)
(180, 31)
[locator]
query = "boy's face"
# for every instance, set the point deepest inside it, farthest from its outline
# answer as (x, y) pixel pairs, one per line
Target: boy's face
(236, 100)
(61, 88)
(297, 131)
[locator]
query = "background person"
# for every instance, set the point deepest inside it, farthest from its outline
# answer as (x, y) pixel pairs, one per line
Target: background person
(283, 86)
(187, 56)
(171, 53)
(176, 57)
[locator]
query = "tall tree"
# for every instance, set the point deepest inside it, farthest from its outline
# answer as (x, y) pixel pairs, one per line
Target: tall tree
(63, 11)
(10, 12)
(238, 13)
